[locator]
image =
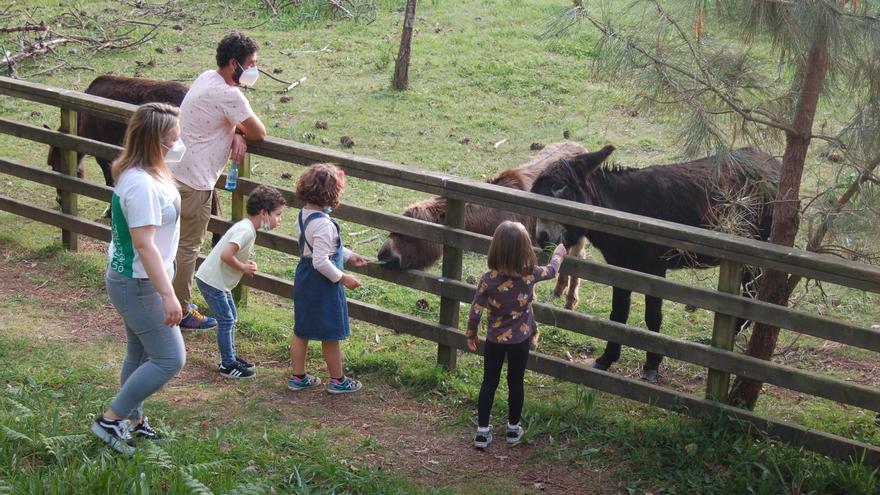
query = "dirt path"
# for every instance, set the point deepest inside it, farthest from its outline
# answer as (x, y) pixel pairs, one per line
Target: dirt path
(419, 440)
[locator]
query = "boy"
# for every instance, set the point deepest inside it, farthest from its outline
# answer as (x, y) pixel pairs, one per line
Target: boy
(223, 268)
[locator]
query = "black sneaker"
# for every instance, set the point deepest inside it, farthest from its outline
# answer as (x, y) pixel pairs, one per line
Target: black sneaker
(482, 440)
(245, 363)
(144, 430)
(114, 433)
(236, 370)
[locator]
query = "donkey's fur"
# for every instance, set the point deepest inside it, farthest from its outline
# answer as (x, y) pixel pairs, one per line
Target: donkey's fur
(129, 90)
(703, 193)
(402, 252)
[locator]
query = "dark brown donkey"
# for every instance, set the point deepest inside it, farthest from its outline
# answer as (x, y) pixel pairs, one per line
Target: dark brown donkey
(129, 90)
(730, 193)
(126, 89)
(402, 252)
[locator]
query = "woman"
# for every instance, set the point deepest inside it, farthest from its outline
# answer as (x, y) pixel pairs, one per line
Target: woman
(146, 231)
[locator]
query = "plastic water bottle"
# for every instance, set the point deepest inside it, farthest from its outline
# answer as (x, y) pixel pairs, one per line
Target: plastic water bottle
(232, 176)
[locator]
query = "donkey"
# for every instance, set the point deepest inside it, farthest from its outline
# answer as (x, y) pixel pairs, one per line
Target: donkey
(129, 90)
(126, 89)
(706, 193)
(402, 252)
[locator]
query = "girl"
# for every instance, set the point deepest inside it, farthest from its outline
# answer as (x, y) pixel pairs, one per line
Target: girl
(145, 234)
(507, 289)
(320, 309)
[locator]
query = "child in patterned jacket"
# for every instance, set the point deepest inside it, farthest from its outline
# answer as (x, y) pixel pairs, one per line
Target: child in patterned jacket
(507, 290)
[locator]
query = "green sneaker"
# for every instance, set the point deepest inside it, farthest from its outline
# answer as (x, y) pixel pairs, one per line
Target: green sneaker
(296, 383)
(345, 386)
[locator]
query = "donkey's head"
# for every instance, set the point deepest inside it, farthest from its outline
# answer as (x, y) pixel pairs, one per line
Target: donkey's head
(403, 252)
(567, 179)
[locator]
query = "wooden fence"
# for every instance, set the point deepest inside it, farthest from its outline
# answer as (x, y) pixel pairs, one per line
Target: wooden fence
(718, 357)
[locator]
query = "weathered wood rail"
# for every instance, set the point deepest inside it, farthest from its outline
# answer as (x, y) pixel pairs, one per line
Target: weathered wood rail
(719, 357)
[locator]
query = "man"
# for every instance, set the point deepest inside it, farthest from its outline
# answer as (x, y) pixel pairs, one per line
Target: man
(215, 121)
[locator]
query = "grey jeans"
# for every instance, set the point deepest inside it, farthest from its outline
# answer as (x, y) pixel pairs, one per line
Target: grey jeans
(154, 351)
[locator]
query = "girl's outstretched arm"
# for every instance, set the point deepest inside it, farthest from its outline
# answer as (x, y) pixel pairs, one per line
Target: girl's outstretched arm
(550, 270)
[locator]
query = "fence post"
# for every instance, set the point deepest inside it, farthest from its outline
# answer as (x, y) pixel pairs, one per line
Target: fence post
(240, 292)
(724, 329)
(69, 165)
(449, 308)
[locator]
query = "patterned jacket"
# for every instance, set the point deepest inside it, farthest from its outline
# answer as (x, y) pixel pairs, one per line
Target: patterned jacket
(509, 301)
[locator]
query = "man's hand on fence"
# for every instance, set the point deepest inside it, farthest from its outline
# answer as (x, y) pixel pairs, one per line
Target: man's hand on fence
(239, 148)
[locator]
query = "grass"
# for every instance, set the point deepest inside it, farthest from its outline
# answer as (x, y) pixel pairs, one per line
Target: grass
(479, 72)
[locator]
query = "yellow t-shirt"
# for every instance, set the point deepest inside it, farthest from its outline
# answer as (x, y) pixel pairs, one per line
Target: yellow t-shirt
(214, 271)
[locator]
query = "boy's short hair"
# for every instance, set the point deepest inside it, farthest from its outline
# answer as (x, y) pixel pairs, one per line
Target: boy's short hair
(321, 184)
(264, 197)
(511, 253)
(235, 45)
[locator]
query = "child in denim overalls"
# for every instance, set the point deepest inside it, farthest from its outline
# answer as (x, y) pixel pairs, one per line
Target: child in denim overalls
(320, 308)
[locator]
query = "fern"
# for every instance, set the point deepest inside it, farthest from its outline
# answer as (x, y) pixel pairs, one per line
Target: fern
(255, 488)
(195, 486)
(158, 457)
(15, 435)
(20, 409)
(201, 466)
(5, 487)
(57, 445)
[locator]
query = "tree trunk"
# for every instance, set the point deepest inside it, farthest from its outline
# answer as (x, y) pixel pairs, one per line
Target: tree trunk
(401, 67)
(776, 287)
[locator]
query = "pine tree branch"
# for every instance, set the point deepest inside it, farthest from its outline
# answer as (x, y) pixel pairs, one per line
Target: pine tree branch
(744, 112)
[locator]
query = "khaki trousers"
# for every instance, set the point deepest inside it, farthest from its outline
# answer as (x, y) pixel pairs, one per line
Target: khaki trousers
(195, 212)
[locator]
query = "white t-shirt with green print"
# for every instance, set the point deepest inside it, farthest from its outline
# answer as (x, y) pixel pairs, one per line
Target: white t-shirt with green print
(139, 199)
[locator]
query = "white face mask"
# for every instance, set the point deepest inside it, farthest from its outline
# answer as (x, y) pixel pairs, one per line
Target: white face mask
(248, 77)
(175, 153)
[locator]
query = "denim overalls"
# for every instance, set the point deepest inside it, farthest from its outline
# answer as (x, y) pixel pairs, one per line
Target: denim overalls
(320, 310)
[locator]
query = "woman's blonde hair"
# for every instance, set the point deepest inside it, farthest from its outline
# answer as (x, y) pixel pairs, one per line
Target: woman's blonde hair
(321, 184)
(511, 253)
(148, 128)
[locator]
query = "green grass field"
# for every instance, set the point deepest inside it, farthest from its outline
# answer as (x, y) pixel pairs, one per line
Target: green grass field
(480, 74)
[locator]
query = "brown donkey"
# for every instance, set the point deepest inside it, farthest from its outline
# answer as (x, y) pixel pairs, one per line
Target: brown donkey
(402, 252)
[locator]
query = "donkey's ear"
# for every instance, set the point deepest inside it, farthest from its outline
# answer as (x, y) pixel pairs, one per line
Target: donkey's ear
(587, 163)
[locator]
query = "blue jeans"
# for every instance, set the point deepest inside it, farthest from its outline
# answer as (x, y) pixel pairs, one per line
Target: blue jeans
(154, 351)
(223, 307)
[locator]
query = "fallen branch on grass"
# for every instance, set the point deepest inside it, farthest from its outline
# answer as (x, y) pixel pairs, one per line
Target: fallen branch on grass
(38, 28)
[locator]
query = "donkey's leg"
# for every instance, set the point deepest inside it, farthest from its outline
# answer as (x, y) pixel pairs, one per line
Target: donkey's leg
(578, 250)
(106, 169)
(620, 300)
(561, 285)
(80, 173)
(653, 319)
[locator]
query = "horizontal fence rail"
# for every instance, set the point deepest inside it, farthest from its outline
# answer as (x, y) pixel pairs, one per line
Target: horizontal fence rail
(719, 360)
